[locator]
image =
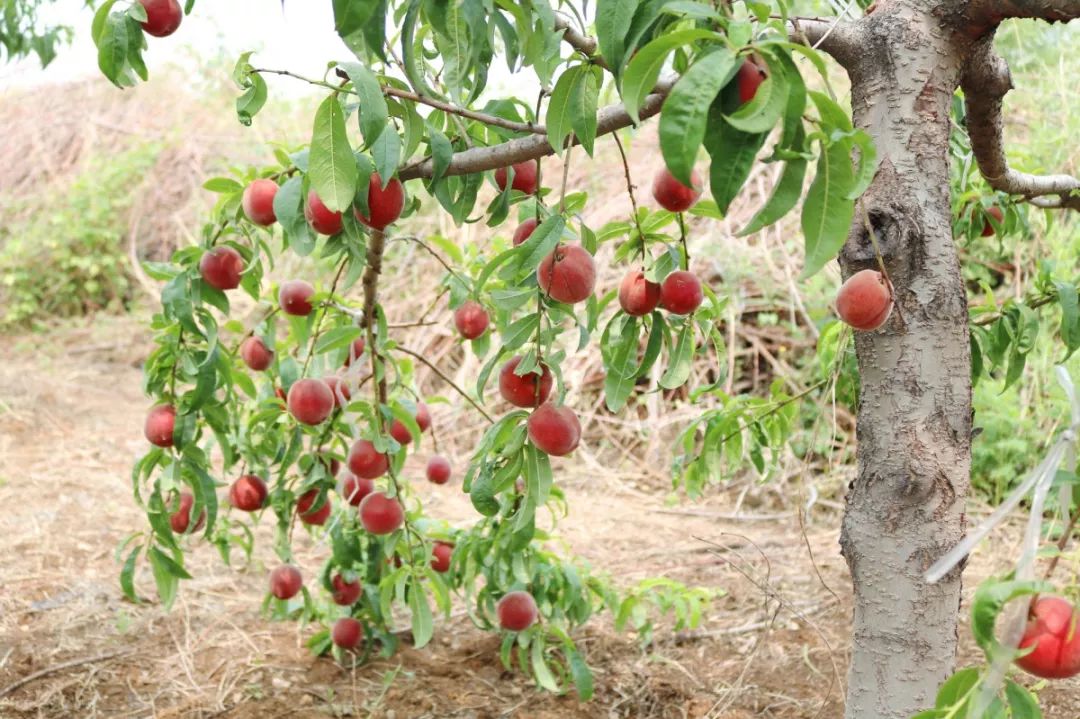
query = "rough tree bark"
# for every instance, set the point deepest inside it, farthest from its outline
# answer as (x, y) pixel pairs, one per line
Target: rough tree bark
(906, 506)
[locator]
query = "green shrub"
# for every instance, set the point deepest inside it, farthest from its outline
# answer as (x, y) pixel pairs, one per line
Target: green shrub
(64, 255)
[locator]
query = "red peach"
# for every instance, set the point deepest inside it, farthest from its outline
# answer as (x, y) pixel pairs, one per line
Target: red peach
(221, 267)
(160, 425)
(339, 388)
(517, 611)
(380, 514)
(248, 493)
(749, 77)
(355, 350)
(258, 202)
(310, 401)
(673, 195)
(555, 430)
(345, 593)
(524, 230)
(865, 300)
(530, 390)
(440, 556)
(999, 216)
(285, 581)
(1052, 635)
(163, 17)
(637, 295)
(321, 218)
(181, 518)
(385, 204)
(347, 633)
(294, 297)
(438, 470)
(680, 293)
(524, 177)
(568, 274)
(256, 354)
(365, 462)
(309, 514)
(471, 319)
(354, 488)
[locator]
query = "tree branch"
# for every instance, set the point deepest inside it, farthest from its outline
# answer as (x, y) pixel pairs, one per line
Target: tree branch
(986, 14)
(479, 159)
(582, 43)
(985, 82)
(843, 40)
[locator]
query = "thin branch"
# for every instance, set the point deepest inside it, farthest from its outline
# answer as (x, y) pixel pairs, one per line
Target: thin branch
(59, 668)
(985, 82)
(582, 43)
(443, 376)
(984, 15)
(433, 253)
(479, 159)
(842, 40)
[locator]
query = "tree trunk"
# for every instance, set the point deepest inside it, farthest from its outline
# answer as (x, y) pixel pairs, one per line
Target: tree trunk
(906, 506)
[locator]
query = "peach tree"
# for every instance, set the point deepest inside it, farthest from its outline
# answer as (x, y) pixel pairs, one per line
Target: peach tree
(313, 409)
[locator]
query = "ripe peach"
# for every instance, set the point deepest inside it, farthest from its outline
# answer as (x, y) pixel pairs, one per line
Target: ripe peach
(365, 462)
(347, 633)
(555, 430)
(673, 195)
(865, 300)
(1052, 631)
(294, 297)
(285, 581)
(999, 216)
(163, 17)
(568, 274)
(524, 230)
(181, 518)
(524, 177)
(385, 205)
(380, 514)
(638, 296)
(440, 556)
(321, 218)
(345, 593)
(680, 293)
(749, 77)
(438, 470)
(310, 401)
(258, 202)
(309, 513)
(530, 390)
(354, 488)
(400, 432)
(355, 350)
(339, 389)
(221, 267)
(256, 354)
(471, 319)
(517, 611)
(160, 424)
(248, 493)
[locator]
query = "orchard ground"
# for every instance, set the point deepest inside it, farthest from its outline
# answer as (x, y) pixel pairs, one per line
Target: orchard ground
(71, 409)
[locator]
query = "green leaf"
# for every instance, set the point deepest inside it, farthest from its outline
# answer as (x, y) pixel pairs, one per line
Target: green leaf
(222, 185)
(679, 362)
(686, 110)
(1022, 703)
(990, 597)
(255, 92)
(374, 116)
(167, 581)
(833, 117)
(1070, 316)
(337, 337)
(827, 211)
(583, 107)
(762, 113)
(127, 575)
(956, 687)
(442, 152)
(732, 153)
(540, 244)
(580, 673)
(868, 164)
(540, 669)
(620, 363)
(783, 198)
(386, 152)
(332, 172)
(613, 19)
(644, 68)
(422, 625)
(558, 118)
(113, 48)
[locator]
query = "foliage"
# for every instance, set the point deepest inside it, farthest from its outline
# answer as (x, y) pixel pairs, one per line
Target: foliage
(23, 33)
(69, 257)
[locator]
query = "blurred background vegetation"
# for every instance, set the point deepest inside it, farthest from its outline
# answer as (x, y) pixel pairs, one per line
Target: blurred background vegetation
(93, 181)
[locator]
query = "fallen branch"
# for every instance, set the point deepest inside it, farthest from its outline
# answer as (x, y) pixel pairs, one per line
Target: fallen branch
(59, 668)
